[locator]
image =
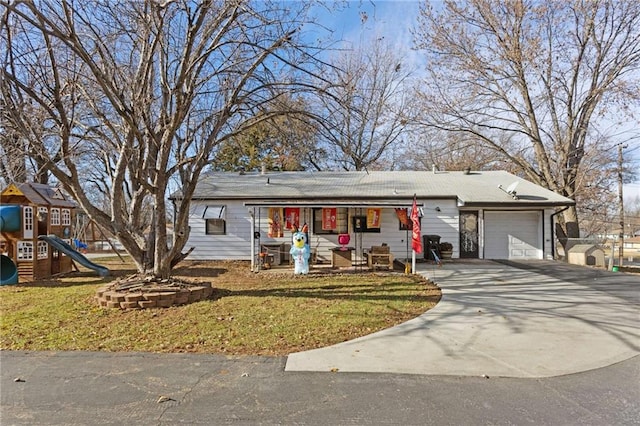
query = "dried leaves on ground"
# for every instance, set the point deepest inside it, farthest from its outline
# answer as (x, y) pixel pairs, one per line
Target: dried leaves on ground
(268, 313)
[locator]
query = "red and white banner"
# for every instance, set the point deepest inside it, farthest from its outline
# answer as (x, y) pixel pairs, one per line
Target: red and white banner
(292, 217)
(416, 240)
(329, 218)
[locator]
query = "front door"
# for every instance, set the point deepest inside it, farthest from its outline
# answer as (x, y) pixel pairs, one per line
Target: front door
(469, 235)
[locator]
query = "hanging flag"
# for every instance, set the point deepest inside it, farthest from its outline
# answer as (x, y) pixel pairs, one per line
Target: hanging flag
(403, 217)
(373, 218)
(329, 218)
(291, 218)
(275, 223)
(416, 240)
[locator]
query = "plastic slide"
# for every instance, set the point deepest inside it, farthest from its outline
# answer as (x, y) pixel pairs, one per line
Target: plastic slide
(8, 271)
(10, 218)
(10, 221)
(62, 246)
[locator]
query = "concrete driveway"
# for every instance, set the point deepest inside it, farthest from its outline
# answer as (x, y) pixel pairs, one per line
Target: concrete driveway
(509, 319)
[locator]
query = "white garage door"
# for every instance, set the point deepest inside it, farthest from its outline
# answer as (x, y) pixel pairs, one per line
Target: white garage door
(512, 235)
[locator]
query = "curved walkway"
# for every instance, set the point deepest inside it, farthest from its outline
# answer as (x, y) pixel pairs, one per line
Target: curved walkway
(509, 319)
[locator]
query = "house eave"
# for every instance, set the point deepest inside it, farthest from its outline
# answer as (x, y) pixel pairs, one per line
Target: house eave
(330, 202)
(515, 204)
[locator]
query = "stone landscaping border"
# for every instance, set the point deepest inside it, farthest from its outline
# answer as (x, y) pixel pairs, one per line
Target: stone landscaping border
(152, 296)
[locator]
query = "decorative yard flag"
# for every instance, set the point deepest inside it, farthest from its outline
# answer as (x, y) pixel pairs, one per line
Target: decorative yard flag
(292, 217)
(275, 223)
(373, 218)
(329, 220)
(416, 241)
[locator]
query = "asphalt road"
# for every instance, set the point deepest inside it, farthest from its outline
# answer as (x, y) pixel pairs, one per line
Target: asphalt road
(90, 388)
(69, 388)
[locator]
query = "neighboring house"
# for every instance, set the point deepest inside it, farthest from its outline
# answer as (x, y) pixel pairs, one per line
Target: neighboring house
(632, 244)
(489, 214)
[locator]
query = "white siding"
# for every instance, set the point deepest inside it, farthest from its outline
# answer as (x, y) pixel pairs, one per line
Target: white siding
(236, 244)
(445, 223)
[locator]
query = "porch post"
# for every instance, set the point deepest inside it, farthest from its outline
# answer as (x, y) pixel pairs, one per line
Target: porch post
(252, 230)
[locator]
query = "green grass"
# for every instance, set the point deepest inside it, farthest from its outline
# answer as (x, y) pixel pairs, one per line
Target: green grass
(270, 313)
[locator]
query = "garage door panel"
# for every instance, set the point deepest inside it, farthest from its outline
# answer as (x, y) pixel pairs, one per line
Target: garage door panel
(512, 235)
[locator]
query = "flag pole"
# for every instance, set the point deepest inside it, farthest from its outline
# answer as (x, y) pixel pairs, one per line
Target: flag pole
(416, 243)
(413, 261)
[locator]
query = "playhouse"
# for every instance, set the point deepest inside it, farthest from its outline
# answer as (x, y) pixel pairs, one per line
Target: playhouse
(36, 233)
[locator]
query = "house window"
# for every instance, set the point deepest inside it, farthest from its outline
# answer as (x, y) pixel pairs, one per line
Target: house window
(25, 250)
(214, 217)
(42, 213)
(55, 216)
(360, 225)
(66, 217)
(408, 226)
(340, 221)
(43, 251)
(216, 227)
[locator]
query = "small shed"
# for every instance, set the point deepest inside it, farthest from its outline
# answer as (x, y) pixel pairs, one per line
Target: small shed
(586, 254)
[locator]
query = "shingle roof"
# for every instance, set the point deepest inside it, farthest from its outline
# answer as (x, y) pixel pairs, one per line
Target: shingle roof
(42, 194)
(475, 188)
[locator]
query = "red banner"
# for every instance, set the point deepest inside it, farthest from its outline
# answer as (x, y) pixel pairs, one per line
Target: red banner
(416, 240)
(292, 217)
(329, 218)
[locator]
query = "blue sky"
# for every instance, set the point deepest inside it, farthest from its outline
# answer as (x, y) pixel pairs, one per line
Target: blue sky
(393, 21)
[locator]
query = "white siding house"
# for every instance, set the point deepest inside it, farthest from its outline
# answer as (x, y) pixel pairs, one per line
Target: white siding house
(473, 211)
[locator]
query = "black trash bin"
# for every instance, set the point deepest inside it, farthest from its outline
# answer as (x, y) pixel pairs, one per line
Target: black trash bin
(431, 244)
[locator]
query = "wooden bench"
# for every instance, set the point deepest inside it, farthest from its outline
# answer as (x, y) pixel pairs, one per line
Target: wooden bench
(380, 257)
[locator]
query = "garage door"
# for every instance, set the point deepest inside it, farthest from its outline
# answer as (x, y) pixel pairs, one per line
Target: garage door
(512, 235)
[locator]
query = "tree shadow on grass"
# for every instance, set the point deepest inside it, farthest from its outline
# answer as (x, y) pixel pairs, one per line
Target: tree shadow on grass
(364, 292)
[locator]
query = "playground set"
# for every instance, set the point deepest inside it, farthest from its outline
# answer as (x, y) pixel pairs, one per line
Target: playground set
(36, 234)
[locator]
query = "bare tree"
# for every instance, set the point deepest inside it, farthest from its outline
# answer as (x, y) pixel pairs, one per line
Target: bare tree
(433, 148)
(360, 114)
(13, 159)
(142, 92)
(531, 80)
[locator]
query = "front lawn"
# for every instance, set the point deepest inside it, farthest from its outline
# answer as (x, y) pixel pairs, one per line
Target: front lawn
(269, 313)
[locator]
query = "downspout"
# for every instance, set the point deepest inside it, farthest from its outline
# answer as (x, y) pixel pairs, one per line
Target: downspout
(553, 231)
